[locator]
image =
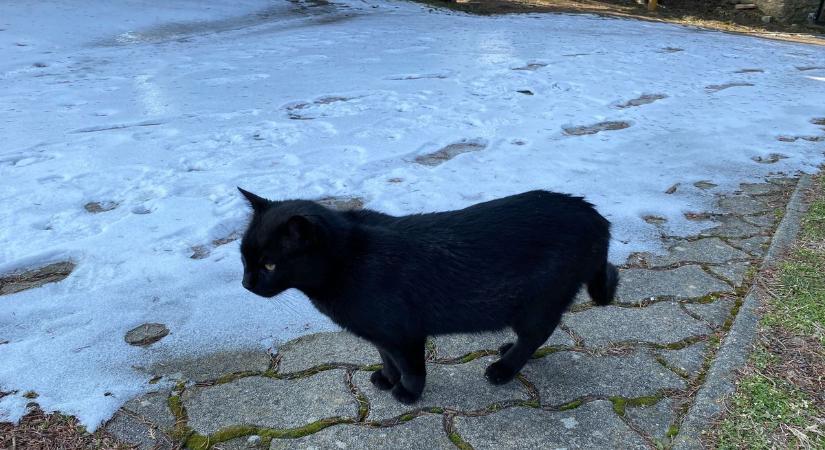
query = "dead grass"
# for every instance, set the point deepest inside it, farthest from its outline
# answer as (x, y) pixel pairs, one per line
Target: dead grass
(39, 431)
(715, 15)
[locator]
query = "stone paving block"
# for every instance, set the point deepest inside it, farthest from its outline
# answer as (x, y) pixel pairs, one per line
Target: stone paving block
(756, 245)
(688, 281)
(744, 204)
(565, 376)
(241, 443)
(661, 323)
(716, 312)
(426, 432)
(268, 402)
(456, 386)
(321, 348)
(455, 345)
(688, 359)
(732, 227)
(144, 421)
(733, 271)
(709, 250)
(759, 188)
(211, 367)
(655, 419)
(767, 220)
(590, 426)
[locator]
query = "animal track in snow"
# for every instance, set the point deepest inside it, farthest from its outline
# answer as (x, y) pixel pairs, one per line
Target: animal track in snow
(582, 130)
(643, 100)
(451, 151)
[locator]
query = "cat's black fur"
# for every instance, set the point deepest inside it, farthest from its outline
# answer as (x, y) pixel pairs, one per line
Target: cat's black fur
(513, 262)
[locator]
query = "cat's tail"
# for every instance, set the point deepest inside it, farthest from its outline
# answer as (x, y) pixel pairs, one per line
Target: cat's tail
(602, 288)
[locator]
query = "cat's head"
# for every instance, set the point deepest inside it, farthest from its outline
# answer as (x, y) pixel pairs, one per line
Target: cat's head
(288, 244)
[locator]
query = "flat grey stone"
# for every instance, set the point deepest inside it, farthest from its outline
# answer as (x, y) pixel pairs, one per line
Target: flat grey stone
(426, 432)
(716, 313)
(590, 426)
(759, 188)
(144, 422)
(457, 386)
(322, 348)
(732, 227)
(708, 250)
(763, 220)
(733, 271)
(267, 402)
(663, 323)
(146, 334)
(756, 245)
(211, 367)
(690, 281)
(743, 204)
(562, 377)
(655, 419)
(688, 359)
(456, 345)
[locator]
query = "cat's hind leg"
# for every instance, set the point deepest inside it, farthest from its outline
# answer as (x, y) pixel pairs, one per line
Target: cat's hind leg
(387, 376)
(533, 326)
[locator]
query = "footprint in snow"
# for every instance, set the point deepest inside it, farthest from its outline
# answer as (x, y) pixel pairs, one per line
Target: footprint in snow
(721, 87)
(643, 100)
(596, 128)
(450, 151)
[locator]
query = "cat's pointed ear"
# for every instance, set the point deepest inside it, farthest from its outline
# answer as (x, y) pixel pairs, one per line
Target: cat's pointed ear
(301, 230)
(257, 203)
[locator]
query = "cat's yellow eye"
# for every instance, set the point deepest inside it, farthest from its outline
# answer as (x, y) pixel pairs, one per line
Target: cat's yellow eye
(269, 267)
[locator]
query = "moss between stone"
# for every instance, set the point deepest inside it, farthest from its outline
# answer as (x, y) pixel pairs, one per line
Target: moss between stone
(197, 441)
(679, 345)
(544, 351)
(474, 355)
(678, 371)
(571, 405)
(672, 431)
(456, 439)
(223, 379)
(620, 404)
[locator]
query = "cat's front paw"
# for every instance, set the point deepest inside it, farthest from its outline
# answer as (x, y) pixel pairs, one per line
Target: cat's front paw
(403, 395)
(503, 349)
(380, 381)
(499, 373)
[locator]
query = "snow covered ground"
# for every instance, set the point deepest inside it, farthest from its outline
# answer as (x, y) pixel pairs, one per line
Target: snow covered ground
(162, 108)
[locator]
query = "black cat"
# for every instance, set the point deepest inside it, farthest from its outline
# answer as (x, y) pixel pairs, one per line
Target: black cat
(513, 262)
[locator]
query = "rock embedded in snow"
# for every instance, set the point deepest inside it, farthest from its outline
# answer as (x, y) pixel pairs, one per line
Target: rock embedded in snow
(146, 334)
(99, 207)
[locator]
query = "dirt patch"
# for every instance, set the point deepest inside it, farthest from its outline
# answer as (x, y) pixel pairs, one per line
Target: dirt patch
(770, 159)
(38, 430)
(30, 279)
(596, 128)
(450, 151)
(714, 14)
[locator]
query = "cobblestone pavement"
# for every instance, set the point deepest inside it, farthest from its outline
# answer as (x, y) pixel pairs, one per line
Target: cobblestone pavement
(621, 376)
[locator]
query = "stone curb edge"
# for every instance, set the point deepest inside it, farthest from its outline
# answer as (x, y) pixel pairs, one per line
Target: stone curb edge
(736, 347)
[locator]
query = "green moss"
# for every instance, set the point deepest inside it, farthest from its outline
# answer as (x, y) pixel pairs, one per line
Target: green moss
(672, 431)
(620, 404)
(223, 379)
(544, 351)
(176, 406)
(436, 410)
(225, 434)
(710, 298)
(198, 442)
(459, 442)
(571, 405)
(474, 355)
(371, 367)
(306, 430)
(407, 417)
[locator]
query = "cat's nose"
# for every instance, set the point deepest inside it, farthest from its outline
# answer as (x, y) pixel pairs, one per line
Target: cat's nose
(248, 282)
